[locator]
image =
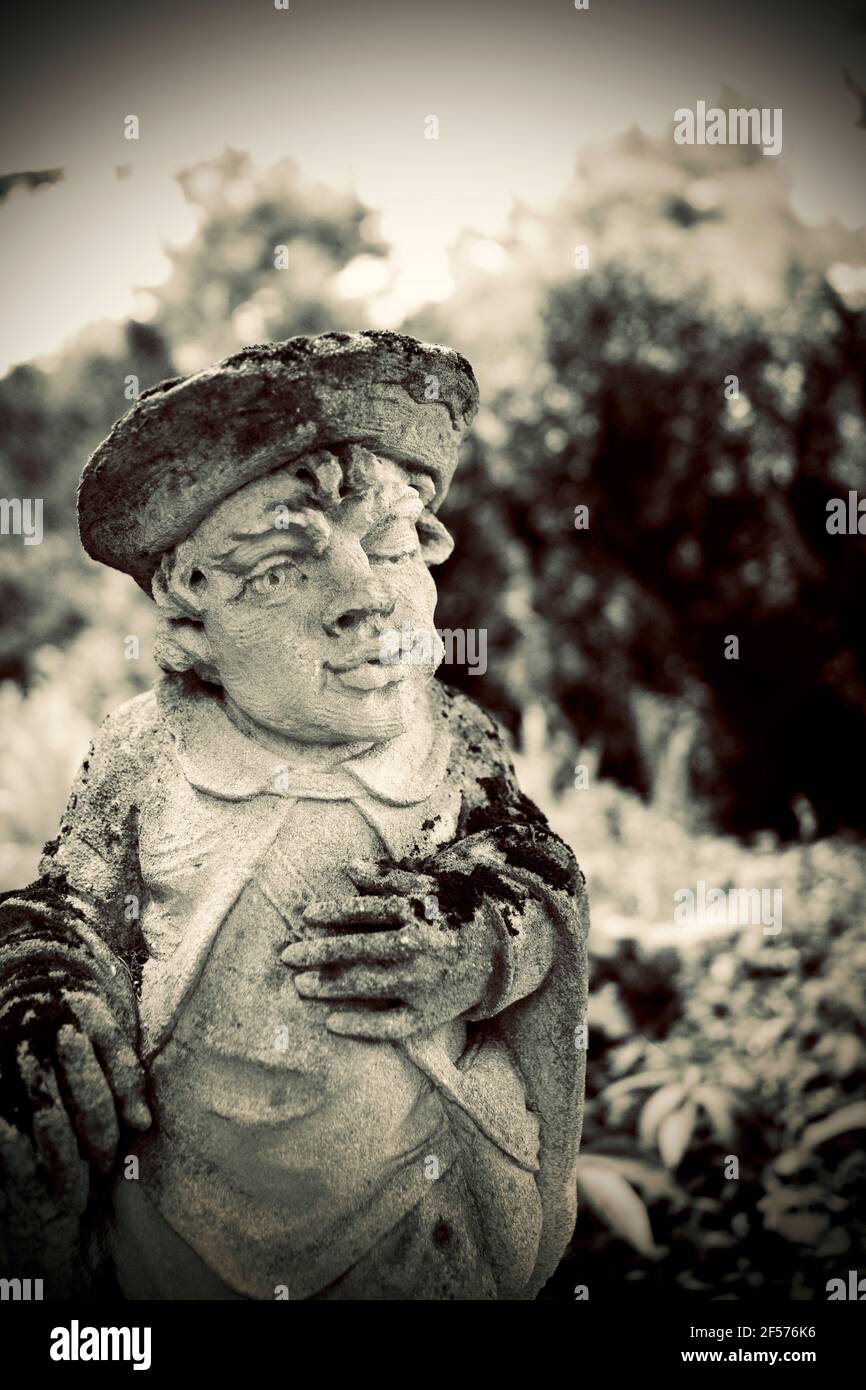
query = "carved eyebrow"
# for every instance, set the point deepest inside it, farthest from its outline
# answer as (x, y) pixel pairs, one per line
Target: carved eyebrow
(406, 509)
(282, 530)
(251, 550)
(394, 531)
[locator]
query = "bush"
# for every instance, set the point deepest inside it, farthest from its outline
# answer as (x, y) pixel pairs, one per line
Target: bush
(723, 1150)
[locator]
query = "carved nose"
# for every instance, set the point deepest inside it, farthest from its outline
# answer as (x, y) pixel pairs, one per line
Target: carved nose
(349, 620)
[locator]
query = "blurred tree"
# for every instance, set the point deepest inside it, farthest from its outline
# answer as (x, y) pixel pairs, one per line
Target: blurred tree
(263, 264)
(707, 521)
(700, 389)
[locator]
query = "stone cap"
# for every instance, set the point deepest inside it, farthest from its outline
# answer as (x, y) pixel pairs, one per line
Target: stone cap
(190, 442)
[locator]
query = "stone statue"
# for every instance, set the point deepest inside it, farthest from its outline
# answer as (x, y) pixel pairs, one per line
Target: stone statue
(294, 1008)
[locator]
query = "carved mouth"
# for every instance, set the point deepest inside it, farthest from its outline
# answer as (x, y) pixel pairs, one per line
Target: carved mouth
(363, 669)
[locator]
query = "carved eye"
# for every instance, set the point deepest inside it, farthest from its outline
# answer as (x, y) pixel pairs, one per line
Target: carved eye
(271, 582)
(392, 544)
(398, 559)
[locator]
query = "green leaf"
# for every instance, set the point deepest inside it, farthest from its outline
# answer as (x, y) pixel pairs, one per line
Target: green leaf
(790, 1161)
(637, 1082)
(801, 1227)
(847, 1054)
(651, 1180)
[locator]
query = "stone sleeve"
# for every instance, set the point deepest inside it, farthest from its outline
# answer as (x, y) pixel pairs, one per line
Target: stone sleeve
(507, 853)
(76, 927)
(522, 960)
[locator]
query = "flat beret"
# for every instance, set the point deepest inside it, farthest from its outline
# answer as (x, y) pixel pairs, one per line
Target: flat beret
(190, 442)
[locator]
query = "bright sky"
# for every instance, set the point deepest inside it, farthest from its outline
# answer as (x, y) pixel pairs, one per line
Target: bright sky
(344, 89)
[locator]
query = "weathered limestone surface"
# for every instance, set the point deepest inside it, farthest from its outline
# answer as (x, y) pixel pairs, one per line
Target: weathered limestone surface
(291, 1009)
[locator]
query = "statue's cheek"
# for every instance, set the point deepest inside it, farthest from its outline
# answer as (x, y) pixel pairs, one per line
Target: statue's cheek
(416, 589)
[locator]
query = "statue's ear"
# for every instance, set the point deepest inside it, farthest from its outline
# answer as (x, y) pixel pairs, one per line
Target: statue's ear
(436, 542)
(178, 588)
(181, 642)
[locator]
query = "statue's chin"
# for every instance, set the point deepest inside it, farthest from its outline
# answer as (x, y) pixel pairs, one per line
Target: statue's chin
(370, 716)
(381, 712)
(378, 713)
(368, 703)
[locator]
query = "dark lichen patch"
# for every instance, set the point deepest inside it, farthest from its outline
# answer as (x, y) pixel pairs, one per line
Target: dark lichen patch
(137, 961)
(503, 804)
(45, 894)
(461, 893)
(441, 1233)
(537, 857)
(44, 915)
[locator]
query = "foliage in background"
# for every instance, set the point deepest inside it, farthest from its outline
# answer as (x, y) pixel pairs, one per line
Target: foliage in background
(712, 1043)
(707, 515)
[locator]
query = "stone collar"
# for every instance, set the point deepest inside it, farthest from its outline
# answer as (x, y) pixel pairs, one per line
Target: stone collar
(220, 760)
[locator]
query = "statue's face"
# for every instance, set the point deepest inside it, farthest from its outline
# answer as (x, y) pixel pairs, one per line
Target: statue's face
(294, 619)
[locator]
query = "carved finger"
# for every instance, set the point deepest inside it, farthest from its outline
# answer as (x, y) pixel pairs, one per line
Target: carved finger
(117, 1058)
(126, 1075)
(393, 911)
(367, 875)
(389, 1025)
(17, 1161)
(373, 947)
(90, 1101)
(22, 1195)
(362, 982)
(54, 1143)
(95, 1017)
(67, 1175)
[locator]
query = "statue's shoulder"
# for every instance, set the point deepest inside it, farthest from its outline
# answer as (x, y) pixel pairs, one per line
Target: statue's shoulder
(129, 741)
(138, 721)
(481, 763)
(125, 749)
(475, 731)
(480, 759)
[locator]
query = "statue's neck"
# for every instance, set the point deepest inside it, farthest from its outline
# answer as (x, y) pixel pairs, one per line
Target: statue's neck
(294, 751)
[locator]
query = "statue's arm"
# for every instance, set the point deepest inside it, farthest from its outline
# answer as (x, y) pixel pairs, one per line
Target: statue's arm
(70, 1077)
(534, 889)
(76, 927)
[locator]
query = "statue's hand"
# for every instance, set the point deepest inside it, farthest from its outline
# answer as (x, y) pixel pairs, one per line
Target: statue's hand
(44, 1188)
(402, 976)
(69, 1076)
(67, 1072)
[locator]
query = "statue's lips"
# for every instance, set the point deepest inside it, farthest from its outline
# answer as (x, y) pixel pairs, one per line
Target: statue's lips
(363, 670)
